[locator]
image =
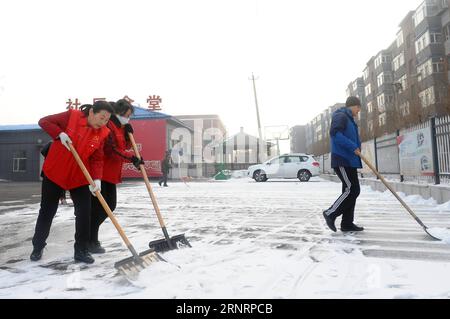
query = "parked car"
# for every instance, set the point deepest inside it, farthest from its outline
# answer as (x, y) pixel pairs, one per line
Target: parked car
(301, 166)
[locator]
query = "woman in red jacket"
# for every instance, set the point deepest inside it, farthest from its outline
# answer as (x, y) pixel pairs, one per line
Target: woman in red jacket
(115, 150)
(86, 130)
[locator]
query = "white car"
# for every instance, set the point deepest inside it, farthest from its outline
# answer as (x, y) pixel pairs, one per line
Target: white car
(301, 166)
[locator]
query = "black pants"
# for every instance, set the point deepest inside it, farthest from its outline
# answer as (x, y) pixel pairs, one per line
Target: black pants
(50, 195)
(164, 179)
(109, 193)
(345, 204)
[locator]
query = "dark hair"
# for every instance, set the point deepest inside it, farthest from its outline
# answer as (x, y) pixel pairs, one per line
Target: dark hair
(97, 107)
(352, 101)
(122, 106)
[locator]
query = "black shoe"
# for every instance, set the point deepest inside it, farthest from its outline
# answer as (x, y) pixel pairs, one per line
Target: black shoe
(95, 247)
(84, 256)
(352, 227)
(330, 221)
(159, 183)
(165, 185)
(36, 254)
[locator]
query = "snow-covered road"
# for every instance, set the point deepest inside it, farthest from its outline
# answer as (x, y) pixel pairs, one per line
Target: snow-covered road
(250, 240)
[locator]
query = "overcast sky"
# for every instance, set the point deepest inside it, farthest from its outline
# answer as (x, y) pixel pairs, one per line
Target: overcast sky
(197, 55)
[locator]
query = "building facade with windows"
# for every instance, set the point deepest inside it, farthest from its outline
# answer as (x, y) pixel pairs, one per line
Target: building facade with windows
(20, 157)
(404, 84)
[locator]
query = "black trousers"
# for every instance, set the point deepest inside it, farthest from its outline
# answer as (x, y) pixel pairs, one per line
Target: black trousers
(345, 204)
(163, 178)
(109, 193)
(50, 195)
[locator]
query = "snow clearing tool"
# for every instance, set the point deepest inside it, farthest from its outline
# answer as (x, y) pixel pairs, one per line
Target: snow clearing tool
(435, 233)
(130, 267)
(167, 243)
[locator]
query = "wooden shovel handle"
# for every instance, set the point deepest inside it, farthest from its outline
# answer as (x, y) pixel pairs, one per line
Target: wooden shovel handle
(391, 189)
(101, 199)
(147, 182)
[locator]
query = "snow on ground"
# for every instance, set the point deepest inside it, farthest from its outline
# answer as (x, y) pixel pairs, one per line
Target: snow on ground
(249, 240)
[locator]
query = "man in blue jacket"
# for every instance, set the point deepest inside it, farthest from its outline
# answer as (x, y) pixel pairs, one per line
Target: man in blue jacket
(345, 160)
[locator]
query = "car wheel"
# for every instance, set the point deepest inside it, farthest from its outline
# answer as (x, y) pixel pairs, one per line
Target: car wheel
(304, 175)
(259, 176)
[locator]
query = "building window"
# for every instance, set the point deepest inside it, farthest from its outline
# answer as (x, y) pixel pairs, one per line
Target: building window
(368, 89)
(429, 67)
(380, 79)
(447, 32)
(381, 103)
(380, 59)
(370, 125)
(420, 14)
(399, 60)
(427, 97)
(369, 107)
(348, 92)
(404, 83)
(383, 78)
(425, 69)
(19, 161)
(435, 37)
(422, 42)
(366, 74)
(438, 67)
(404, 108)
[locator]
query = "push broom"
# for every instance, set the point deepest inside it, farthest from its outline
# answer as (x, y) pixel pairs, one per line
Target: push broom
(167, 243)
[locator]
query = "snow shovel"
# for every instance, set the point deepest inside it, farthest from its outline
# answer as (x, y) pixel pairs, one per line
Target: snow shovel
(167, 243)
(435, 233)
(131, 266)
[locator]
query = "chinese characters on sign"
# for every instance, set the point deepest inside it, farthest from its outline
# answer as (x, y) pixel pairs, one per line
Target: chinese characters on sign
(127, 98)
(153, 102)
(98, 99)
(72, 105)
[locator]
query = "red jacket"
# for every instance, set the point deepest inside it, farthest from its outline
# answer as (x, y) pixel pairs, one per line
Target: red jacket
(60, 165)
(115, 153)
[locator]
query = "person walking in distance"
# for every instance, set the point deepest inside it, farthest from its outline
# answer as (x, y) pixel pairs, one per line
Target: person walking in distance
(345, 160)
(165, 168)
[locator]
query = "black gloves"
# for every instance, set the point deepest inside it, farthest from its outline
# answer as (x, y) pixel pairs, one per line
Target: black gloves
(128, 128)
(137, 162)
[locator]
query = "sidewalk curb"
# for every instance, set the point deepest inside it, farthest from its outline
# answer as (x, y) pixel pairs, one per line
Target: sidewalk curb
(440, 193)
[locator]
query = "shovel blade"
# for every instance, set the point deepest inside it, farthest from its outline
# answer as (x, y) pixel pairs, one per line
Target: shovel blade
(442, 234)
(174, 242)
(131, 267)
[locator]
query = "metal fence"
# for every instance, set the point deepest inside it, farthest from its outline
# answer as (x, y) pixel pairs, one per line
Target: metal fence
(385, 155)
(442, 135)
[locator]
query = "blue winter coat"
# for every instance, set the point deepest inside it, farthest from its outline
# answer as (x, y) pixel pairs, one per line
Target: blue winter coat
(344, 140)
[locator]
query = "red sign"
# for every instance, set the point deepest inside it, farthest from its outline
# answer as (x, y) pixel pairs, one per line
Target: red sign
(151, 149)
(153, 102)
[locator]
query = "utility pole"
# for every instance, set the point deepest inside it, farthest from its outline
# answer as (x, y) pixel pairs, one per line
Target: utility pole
(257, 116)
